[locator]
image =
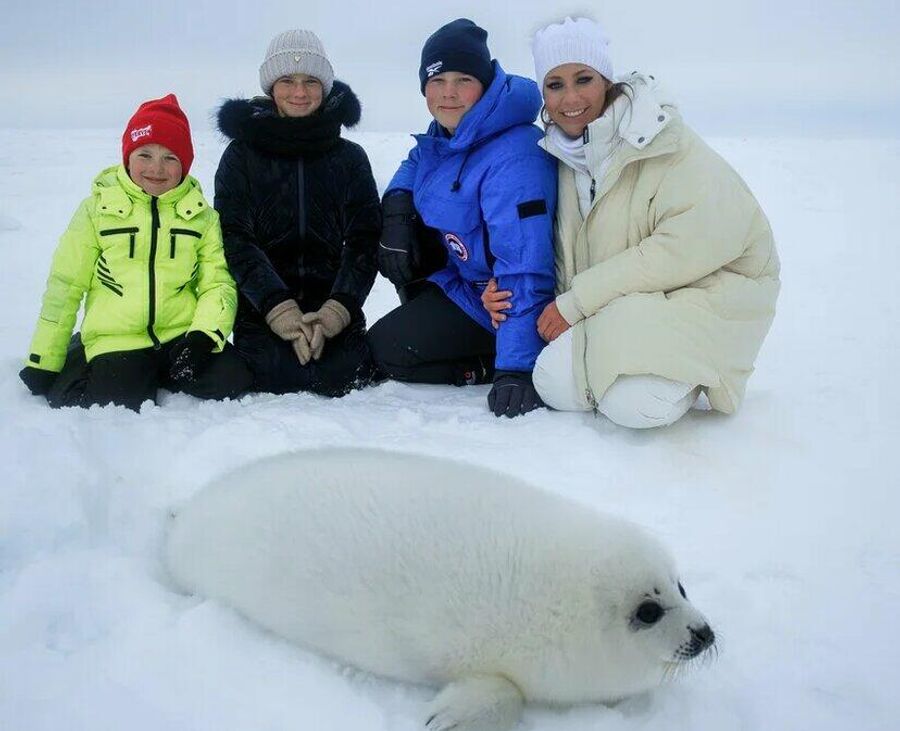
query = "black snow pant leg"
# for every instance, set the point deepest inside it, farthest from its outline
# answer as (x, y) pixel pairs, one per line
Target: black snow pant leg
(226, 376)
(429, 339)
(346, 362)
(127, 378)
(69, 386)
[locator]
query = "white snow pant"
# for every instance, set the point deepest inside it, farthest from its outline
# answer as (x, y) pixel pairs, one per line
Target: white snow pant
(637, 402)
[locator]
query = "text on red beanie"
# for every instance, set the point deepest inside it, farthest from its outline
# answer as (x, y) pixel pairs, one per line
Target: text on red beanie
(160, 122)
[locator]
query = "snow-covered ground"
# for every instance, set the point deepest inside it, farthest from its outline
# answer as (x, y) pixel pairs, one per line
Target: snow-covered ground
(782, 516)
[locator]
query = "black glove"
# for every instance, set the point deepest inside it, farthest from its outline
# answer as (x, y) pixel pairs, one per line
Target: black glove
(398, 252)
(513, 394)
(39, 382)
(190, 356)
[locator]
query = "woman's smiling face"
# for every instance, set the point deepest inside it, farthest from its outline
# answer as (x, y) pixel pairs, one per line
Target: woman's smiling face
(574, 96)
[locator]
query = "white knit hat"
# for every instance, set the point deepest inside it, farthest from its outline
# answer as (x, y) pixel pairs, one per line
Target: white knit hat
(296, 52)
(572, 41)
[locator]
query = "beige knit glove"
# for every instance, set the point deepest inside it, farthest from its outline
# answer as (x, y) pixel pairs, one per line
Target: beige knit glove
(327, 322)
(286, 321)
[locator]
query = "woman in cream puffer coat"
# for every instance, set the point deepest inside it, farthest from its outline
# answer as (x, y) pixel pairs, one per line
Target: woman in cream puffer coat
(666, 269)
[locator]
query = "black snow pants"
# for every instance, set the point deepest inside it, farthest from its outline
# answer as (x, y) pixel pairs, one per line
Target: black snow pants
(346, 362)
(429, 339)
(130, 377)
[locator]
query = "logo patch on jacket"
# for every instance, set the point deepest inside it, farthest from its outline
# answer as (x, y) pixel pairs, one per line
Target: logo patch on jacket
(456, 246)
(136, 134)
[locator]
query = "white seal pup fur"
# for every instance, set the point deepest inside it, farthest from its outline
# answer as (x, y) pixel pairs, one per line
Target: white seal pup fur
(438, 572)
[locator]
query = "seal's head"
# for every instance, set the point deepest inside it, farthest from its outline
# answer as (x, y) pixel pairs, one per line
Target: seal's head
(649, 628)
(666, 625)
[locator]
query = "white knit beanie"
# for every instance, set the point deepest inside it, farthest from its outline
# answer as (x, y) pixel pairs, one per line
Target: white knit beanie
(296, 52)
(572, 41)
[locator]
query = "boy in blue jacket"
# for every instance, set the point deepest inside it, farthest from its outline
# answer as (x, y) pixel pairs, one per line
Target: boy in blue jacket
(478, 181)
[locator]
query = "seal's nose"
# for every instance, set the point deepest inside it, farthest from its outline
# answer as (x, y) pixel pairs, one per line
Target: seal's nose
(701, 638)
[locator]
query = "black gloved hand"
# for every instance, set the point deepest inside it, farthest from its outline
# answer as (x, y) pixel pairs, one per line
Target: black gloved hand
(190, 356)
(39, 382)
(513, 394)
(398, 252)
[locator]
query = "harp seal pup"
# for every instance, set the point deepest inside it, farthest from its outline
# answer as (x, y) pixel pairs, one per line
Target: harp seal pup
(437, 572)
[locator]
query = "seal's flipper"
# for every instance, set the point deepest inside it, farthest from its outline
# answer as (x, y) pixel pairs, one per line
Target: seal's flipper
(477, 703)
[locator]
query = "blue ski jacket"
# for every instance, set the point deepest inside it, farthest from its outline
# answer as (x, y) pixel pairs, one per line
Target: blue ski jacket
(491, 192)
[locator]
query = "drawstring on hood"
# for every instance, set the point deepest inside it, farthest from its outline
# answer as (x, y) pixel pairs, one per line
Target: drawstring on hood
(457, 184)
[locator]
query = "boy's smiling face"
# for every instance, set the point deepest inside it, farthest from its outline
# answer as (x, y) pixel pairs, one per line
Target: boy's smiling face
(155, 168)
(450, 95)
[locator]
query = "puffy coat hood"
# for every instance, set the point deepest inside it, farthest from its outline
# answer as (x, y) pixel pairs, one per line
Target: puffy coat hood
(256, 123)
(509, 101)
(117, 194)
(636, 117)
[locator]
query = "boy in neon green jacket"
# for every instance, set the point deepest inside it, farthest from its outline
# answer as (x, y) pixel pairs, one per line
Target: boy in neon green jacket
(146, 247)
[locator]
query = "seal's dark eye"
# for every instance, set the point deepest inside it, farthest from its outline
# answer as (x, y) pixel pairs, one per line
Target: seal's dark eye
(681, 589)
(649, 613)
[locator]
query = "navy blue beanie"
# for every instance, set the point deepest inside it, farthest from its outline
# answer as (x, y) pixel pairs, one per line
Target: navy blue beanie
(458, 46)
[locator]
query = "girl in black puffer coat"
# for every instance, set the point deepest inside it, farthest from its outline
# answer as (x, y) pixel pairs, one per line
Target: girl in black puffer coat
(301, 221)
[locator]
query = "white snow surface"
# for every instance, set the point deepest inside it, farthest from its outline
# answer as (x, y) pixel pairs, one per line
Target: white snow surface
(782, 516)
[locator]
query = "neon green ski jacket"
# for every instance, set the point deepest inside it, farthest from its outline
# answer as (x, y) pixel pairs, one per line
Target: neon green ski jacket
(153, 268)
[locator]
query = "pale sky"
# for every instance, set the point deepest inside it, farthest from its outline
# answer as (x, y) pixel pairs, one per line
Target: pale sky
(737, 68)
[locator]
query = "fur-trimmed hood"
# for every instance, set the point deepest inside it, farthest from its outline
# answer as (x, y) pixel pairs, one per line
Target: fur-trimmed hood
(256, 122)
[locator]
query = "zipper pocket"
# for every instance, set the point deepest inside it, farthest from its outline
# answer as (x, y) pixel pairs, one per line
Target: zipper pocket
(183, 232)
(132, 231)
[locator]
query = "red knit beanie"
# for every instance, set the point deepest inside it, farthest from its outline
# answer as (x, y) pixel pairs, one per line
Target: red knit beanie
(160, 122)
